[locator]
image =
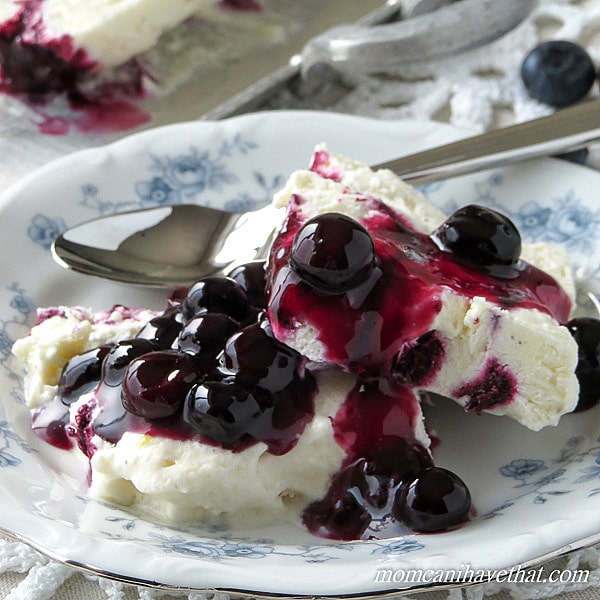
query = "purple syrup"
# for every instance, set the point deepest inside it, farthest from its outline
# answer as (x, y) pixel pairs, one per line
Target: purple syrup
(35, 64)
(375, 426)
(50, 424)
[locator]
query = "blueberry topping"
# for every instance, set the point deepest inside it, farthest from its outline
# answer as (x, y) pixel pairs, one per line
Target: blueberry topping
(558, 73)
(482, 239)
(586, 332)
(81, 374)
(435, 499)
(116, 361)
(251, 276)
(205, 336)
(163, 329)
(156, 384)
(264, 393)
(333, 253)
(260, 359)
(219, 295)
(224, 411)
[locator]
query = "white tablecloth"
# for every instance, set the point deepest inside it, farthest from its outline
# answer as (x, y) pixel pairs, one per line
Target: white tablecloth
(478, 90)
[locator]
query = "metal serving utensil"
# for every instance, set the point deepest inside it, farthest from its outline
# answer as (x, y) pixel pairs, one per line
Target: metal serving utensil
(172, 245)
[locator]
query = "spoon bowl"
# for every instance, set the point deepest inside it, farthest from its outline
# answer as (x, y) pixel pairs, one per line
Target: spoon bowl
(166, 246)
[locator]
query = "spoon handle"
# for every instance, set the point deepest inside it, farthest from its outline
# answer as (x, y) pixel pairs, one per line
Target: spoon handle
(564, 130)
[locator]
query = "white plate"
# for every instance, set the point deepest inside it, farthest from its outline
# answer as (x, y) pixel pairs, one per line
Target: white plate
(536, 494)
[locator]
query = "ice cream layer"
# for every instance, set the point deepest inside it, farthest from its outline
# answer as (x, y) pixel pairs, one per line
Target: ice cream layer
(493, 345)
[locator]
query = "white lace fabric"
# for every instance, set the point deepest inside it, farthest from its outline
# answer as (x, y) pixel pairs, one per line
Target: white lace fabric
(477, 91)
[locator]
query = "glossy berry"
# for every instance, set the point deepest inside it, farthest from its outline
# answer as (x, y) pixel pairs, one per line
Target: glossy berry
(163, 329)
(251, 276)
(558, 73)
(216, 294)
(333, 253)
(481, 238)
(155, 385)
(586, 332)
(223, 411)
(434, 499)
(81, 374)
(116, 361)
(206, 335)
(260, 359)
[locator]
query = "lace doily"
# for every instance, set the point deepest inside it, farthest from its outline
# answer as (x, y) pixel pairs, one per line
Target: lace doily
(477, 91)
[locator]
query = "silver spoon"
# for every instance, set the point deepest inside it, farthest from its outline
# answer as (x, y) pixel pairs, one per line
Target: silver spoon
(173, 245)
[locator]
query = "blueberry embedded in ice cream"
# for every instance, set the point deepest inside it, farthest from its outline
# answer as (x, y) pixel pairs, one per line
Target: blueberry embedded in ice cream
(481, 238)
(434, 500)
(333, 253)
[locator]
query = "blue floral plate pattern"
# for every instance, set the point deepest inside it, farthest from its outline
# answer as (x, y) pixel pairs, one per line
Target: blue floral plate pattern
(537, 495)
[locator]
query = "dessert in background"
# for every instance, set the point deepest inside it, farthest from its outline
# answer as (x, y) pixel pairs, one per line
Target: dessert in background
(107, 55)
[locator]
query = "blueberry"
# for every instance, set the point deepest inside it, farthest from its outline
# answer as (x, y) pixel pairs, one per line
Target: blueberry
(217, 294)
(434, 499)
(333, 253)
(155, 385)
(260, 359)
(81, 374)
(164, 328)
(586, 332)
(206, 335)
(116, 361)
(251, 276)
(558, 73)
(481, 238)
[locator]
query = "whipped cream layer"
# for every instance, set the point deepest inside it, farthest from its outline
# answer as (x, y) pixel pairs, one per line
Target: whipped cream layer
(494, 346)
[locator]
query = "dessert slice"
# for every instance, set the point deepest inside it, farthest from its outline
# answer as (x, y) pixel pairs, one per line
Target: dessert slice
(101, 49)
(366, 274)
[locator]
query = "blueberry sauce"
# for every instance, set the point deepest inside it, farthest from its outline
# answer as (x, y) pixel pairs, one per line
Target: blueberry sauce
(34, 64)
(363, 328)
(375, 426)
